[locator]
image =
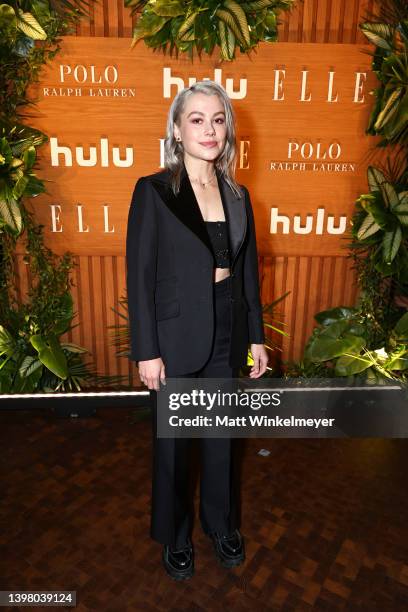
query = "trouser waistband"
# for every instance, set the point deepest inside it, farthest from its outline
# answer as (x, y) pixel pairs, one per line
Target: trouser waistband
(223, 286)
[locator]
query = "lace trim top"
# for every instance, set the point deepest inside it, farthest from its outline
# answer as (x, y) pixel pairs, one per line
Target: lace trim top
(217, 231)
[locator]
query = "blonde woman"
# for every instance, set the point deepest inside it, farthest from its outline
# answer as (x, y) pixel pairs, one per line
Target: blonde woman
(194, 308)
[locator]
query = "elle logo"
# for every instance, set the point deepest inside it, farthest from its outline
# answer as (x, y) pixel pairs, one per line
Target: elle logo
(91, 159)
(283, 223)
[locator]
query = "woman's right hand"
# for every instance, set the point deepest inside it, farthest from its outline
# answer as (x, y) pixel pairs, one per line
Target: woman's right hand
(151, 372)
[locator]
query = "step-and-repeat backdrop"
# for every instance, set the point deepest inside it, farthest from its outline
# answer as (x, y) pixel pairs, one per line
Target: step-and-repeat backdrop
(302, 110)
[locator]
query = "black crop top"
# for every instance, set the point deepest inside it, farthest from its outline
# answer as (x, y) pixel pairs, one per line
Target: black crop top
(217, 231)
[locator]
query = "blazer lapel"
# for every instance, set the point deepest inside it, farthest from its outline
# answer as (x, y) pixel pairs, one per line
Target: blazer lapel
(235, 214)
(185, 206)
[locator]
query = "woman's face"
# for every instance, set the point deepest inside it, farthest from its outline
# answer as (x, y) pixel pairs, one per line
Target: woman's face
(202, 127)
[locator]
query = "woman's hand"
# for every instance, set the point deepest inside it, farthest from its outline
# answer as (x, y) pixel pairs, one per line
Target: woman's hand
(151, 372)
(260, 357)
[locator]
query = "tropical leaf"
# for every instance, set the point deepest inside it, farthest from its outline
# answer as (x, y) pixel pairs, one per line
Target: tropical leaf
(324, 348)
(252, 7)
(368, 227)
(28, 24)
(326, 317)
(168, 8)
(35, 186)
(390, 108)
(398, 364)
(29, 365)
(227, 41)
(389, 195)
(50, 354)
(148, 25)
(229, 20)
(7, 343)
(20, 186)
(347, 365)
(240, 18)
(395, 128)
(245, 24)
(7, 16)
(336, 329)
(11, 214)
(391, 244)
(16, 162)
(380, 34)
(375, 178)
(401, 211)
(29, 157)
(186, 25)
(401, 328)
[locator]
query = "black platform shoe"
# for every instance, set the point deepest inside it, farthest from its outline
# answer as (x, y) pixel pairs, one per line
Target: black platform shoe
(179, 562)
(229, 549)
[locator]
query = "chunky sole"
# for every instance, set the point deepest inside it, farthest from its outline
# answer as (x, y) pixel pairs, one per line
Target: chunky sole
(228, 563)
(178, 576)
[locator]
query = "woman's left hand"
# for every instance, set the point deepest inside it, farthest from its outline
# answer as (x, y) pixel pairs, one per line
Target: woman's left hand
(260, 357)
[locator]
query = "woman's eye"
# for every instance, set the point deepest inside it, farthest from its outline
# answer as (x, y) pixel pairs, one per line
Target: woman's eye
(220, 120)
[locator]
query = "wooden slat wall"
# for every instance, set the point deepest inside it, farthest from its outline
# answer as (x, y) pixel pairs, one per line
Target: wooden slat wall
(315, 283)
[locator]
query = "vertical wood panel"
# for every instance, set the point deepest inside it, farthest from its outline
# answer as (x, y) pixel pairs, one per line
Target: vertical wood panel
(76, 334)
(110, 299)
(100, 14)
(126, 367)
(99, 282)
(85, 305)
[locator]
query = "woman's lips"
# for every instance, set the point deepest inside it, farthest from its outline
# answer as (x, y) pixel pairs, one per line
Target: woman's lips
(208, 144)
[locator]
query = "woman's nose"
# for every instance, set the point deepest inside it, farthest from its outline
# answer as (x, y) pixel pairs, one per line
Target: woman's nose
(210, 129)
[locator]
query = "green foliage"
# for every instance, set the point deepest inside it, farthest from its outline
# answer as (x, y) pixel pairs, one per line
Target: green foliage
(380, 226)
(389, 117)
(30, 31)
(46, 366)
(18, 144)
(32, 356)
(370, 340)
(341, 343)
(185, 25)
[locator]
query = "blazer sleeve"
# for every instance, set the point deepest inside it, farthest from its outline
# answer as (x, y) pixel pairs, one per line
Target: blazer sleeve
(251, 280)
(141, 260)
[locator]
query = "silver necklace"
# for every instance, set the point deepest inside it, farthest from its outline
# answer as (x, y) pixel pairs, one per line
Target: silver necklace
(204, 185)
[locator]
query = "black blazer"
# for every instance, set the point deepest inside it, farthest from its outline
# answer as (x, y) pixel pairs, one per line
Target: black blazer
(170, 275)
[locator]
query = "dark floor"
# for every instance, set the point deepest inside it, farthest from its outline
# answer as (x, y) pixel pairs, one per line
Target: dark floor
(325, 521)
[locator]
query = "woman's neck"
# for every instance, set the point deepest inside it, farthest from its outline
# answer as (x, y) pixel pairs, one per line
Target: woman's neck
(200, 172)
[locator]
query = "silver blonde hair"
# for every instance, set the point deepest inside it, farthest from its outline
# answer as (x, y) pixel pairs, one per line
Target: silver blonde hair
(173, 150)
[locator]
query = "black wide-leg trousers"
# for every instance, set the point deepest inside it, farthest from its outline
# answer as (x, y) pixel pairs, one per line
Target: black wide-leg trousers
(172, 511)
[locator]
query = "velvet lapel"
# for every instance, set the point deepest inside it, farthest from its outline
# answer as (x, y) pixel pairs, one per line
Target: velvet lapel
(187, 210)
(235, 214)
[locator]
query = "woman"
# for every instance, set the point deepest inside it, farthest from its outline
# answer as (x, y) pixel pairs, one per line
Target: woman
(194, 307)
